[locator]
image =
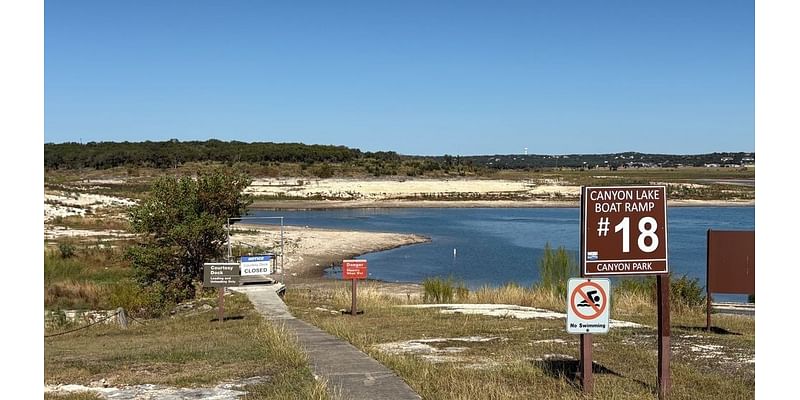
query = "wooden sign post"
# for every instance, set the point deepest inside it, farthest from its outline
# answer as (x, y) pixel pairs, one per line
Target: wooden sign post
(354, 270)
(624, 233)
(221, 275)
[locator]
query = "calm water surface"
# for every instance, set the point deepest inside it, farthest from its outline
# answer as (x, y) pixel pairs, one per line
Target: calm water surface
(499, 245)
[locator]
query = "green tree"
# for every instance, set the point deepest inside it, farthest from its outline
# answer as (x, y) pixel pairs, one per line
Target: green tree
(181, 225)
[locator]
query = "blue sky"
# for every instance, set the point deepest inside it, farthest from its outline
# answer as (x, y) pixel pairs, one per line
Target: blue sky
(416, 77)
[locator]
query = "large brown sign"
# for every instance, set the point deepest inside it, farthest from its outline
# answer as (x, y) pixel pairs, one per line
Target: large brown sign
(624, 230)
(220, 274)
(731, 262)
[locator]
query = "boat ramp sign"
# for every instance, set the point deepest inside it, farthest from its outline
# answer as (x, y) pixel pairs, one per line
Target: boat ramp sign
(588, 305)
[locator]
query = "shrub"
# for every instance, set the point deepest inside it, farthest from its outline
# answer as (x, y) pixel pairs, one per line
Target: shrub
(439, 290)
(66, 249)
(555, 269)
(138, 301)
(685, 293)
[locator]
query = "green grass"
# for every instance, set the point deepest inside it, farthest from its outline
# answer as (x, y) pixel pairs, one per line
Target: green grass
(187, 350)
(508, 367)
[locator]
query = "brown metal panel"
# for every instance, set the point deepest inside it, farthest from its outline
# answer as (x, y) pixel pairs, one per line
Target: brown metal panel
(731, 262)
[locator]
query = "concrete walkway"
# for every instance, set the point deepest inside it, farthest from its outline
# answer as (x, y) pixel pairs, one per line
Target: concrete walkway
(351, 373)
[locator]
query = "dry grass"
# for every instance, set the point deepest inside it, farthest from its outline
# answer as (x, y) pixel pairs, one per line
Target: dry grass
(92, 222)
(72, 396)
(72, 294)
(186, 351)
(518, 295)
(516, 365)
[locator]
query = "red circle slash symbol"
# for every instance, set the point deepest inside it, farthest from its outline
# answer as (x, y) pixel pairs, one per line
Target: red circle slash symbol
(590, 298)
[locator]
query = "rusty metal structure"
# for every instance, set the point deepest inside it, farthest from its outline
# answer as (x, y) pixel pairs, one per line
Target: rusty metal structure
(730, 265)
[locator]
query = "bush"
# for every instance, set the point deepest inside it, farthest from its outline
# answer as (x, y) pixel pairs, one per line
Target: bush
(138, 301)
(66, 249)
(438, 290)
(555, 269)
(685, 293)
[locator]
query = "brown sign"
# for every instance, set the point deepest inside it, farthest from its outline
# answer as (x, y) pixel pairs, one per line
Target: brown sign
(354, 269)
(731, 262)
(624, 230)
(220, 274)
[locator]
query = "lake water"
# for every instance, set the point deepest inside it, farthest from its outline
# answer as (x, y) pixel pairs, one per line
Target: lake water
(499, 245)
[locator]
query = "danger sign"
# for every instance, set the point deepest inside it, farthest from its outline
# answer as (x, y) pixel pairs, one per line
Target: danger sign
(588, 305)
(624, 230)
(354, 269)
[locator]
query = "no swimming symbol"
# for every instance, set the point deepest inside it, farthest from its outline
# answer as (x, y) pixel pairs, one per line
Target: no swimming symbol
(588, 300)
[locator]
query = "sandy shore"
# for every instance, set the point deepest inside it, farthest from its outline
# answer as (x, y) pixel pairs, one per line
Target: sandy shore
(308, 251)
(342, 204)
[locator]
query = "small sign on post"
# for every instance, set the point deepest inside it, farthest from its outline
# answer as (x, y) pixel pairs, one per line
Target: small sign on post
(354, 270)
(588, 305)
(221, 275)
(256, 265)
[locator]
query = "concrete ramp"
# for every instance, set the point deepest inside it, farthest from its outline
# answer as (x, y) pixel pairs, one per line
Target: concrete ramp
(351, 373)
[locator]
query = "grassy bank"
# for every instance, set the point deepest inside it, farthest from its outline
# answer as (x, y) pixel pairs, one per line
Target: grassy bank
(536, 358)
(187, 350)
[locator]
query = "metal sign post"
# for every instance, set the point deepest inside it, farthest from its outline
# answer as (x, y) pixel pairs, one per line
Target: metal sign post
(354, 270)
(623, 233)
(662, 284)
(587, 380)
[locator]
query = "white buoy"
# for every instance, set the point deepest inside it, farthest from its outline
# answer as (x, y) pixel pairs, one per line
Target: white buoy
(454, 251)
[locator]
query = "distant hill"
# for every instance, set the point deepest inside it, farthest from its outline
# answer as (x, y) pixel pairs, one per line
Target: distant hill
(613, 160)
(102, 155)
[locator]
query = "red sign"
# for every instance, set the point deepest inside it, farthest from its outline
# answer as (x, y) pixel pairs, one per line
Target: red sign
(354, 269)
(624, 230)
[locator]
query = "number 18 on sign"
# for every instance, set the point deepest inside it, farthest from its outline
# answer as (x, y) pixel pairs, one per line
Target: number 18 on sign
(625, 230)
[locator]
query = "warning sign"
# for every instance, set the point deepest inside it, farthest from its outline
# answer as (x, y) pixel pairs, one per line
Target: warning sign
(588, 305)
(354, 269)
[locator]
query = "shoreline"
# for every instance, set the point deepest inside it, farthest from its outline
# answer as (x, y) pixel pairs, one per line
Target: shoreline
(355, 204)
(309, 251)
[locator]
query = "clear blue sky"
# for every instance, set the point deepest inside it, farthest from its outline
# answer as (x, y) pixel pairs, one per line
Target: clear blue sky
(416, 77)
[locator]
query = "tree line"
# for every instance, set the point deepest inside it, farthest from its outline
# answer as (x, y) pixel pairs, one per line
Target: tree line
(172, 153)
(102, 155)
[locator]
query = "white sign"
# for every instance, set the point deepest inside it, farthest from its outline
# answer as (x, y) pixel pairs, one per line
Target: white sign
(256, 265)
(588, 305)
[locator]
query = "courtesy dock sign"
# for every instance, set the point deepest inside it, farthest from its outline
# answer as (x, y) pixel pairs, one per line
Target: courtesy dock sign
(256, 265)
(624, 230)
(588, 305)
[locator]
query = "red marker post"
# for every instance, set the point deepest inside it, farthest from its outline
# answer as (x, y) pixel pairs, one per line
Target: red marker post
(354, 270)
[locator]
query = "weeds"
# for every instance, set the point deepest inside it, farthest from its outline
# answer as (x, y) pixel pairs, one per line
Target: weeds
(685, 293)
(439, 290)
(555, 269)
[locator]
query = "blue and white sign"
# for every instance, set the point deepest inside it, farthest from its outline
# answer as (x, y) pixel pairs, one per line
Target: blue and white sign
(256, 265)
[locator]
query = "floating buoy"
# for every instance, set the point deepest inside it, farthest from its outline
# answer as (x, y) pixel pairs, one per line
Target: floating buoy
(454, 251)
